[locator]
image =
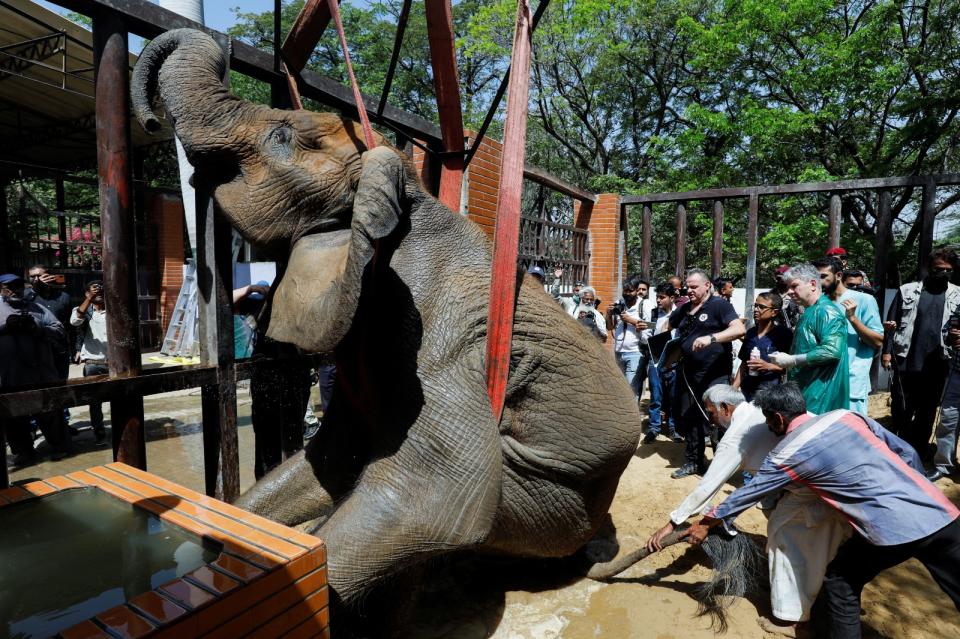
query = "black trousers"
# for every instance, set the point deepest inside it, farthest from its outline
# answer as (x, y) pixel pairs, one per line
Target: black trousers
(693, 423)
(278, 399)
(836, 613)
(915, 398)
(96, 409)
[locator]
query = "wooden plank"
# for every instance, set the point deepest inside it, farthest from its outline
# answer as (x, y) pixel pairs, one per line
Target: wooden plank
(680, 247)
(119, 239)
(538, 175)
(716, 254)
(753, 224)
(305, 33)
(928, 211)
(882, 247)
(647, 241)
(833, 221)
(446, 85)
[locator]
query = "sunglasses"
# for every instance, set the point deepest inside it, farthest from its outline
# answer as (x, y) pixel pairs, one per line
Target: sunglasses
(943, 270)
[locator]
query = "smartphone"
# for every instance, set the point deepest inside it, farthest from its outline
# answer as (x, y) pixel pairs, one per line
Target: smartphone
(59, 279)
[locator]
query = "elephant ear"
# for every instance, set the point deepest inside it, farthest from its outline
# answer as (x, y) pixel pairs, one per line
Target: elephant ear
(314, 304)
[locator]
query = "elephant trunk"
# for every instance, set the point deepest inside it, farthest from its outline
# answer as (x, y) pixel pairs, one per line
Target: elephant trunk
(186, 67)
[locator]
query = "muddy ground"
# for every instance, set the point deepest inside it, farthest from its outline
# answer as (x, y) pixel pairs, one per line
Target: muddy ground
(469, 598)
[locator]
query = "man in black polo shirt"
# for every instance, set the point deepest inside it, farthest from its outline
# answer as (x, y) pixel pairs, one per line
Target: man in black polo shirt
(707, 324)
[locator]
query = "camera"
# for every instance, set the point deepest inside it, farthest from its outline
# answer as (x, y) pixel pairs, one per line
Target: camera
(619, 307)
(21, 322)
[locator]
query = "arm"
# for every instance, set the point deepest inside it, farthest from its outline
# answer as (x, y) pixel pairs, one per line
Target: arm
(894, 315)
(601, 325)
(735, 330)
(871, 332)
(78, 317)
(832, 346)
(736, 378)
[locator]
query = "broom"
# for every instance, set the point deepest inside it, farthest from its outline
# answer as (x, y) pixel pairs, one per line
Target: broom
(739, 568)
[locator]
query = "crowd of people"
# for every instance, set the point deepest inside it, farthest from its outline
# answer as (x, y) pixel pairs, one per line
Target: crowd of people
(787, 415)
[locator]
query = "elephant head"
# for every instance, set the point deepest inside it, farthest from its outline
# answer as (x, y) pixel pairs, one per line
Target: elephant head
(287, 180)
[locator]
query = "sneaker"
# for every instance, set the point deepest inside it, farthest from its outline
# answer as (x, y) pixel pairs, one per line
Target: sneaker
(23, 460)
(684, 471)
(935, 474)
(676, 438)
(650, 437)
(311, 428)
(100, 438)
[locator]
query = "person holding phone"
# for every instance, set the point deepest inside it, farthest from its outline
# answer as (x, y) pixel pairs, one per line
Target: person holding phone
(90, 321)
(625, 318)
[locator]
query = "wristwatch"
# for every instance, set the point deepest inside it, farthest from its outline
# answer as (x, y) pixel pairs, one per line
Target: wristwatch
(713, 339)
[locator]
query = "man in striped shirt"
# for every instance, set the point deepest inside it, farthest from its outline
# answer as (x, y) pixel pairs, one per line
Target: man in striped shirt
(874, 479)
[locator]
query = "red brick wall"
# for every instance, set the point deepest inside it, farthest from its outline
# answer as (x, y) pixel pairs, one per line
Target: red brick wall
(165, 213)
(483, 183)
(602, 220)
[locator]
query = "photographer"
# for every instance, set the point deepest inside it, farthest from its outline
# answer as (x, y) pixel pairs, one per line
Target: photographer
(626, 318)
(707, 324)
(944, 459)
(28, 335)
(587, 314)
(90, 320)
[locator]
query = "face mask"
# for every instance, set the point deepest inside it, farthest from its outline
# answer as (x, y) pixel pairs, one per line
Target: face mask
(14, 299)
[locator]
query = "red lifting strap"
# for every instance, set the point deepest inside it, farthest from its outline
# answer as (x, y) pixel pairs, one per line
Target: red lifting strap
(357, 97)
(503, 279)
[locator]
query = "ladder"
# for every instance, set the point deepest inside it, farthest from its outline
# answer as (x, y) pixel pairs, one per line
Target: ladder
(181, 337)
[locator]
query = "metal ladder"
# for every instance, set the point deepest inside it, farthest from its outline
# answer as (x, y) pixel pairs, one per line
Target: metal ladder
(181, 337)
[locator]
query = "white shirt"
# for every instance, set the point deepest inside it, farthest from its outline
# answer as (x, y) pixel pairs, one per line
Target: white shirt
(625, 336)
(94, 334)
(745, 445)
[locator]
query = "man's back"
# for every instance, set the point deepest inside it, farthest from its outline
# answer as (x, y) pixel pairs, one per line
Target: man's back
(872, 477)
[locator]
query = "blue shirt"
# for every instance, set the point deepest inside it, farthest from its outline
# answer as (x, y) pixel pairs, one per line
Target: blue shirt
(860, 353)
(855, 465)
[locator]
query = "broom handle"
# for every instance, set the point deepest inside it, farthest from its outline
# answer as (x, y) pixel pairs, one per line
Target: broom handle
(604, 571)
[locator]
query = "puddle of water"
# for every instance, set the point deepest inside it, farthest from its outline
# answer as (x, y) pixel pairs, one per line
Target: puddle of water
(73, 554)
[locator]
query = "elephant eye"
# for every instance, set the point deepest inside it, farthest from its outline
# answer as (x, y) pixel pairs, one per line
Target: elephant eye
(279, 140)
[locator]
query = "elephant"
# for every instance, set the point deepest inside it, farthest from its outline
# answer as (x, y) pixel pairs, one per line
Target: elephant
(410, 463)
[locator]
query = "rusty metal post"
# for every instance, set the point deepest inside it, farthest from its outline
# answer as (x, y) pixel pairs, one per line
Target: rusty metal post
(681, 244)
(753, 224)
(833, 230)
(647, 241)
(882, 248)
(119, 239)
(929, 213)
(61, 221)
(716, 255)
(446, 84)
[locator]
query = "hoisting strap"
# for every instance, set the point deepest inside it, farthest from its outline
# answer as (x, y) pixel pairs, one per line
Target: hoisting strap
(506, 236)
(357, 97)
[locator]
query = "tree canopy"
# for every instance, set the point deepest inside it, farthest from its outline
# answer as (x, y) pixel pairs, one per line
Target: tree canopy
(638, 96)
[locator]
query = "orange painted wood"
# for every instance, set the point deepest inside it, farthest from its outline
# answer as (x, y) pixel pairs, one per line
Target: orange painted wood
(301, 612)
(124, 623)
(85, 630)
(15, 494)
(237, 568)
(156, 608)
(211, 580)
(39, 488)
(186, 594)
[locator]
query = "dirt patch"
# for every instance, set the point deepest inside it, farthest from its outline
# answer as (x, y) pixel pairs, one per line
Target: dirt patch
(653, 599)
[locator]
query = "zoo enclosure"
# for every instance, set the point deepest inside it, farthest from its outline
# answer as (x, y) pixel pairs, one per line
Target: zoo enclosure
(882, 187)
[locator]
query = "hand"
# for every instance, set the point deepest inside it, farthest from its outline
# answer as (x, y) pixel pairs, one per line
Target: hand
(258, 288)
(641, 325)
(93, 291)
(76, 358)
(655, 543)
(850, 307)
(785, 361)
(696, 533)
(46, 278)
(761, 365)
(702, 342)
(558, 272)
(890, 326)
(887, 361)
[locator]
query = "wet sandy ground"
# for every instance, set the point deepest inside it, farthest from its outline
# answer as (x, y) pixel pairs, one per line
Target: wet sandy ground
(465, 597)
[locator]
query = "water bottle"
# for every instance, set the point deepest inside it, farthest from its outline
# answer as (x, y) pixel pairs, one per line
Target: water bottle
(754, 354)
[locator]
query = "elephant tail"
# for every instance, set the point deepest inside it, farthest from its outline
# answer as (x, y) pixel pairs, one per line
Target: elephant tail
(739, 569)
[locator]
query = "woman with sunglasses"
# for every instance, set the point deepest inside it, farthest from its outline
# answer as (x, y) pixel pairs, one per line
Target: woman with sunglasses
(764, 337)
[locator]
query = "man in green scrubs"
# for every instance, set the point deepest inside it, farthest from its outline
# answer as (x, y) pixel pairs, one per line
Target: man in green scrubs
(818, 360)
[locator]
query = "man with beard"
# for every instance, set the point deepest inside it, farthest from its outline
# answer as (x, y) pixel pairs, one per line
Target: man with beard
(706, 324)
(818, 359)
(914, 347)
(28, 333)
(864, 329)
(90, 319)
(625, 318)
(45, 291)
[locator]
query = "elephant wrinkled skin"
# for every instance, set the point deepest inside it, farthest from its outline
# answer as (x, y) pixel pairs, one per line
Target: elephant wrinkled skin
(409, 463)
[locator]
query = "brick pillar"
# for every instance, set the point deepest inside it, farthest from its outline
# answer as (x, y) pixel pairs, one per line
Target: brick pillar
(165, 213)
(602, 219)
(483, 180)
